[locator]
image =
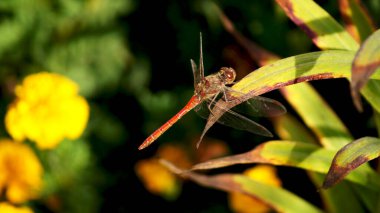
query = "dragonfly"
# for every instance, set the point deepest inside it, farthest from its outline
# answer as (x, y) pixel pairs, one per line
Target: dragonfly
(207, 89)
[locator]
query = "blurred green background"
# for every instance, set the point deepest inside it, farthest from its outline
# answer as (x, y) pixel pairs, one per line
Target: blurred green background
(131, 59)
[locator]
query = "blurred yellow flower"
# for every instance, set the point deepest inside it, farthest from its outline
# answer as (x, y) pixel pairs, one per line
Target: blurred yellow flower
(246, 204)
(20, 172)
(157, 179)
(175, 154)
(46, 110)
(210, 149)
(7, 208)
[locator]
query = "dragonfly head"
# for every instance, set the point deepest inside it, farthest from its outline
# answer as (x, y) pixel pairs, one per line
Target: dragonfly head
(227, 74)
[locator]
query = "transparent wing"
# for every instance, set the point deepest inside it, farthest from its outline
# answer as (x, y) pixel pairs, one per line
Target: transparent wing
(196, 75)
(261, 107)
(233, 119)
(201, 67)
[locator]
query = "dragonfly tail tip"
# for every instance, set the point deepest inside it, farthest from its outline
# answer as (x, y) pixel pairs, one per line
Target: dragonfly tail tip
(142, 146)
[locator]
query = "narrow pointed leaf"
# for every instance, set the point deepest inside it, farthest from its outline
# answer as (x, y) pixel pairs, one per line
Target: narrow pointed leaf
(317, 115)
(357, 14)
(376, 117)
(358, 22)
(340, 198)
(371, 92)
(296, 69)
(277, 153)
(350, 157)
(279, 199)
(324, 30)
(366, 62)
(326, 33)
(285, 153)
(257, 53)
(310, 106)
(288, 128)
(288, 71)
(367, 196)
(295, 154)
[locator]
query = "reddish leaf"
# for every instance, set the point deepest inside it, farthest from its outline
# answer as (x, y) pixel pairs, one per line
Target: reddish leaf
(257, 53)
(358, 22)
(350, 157)
(287, 153)
(324, 30)
(366, 62)
(278, 198)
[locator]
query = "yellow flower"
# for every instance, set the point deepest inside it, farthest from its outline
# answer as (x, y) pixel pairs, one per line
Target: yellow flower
(157, 179)
(20, 172)
(46, 110)
(174, 154)
(246, 204)
(7, 208)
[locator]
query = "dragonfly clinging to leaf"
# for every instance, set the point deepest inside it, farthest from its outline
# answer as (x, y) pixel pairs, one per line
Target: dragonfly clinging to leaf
(207, 90)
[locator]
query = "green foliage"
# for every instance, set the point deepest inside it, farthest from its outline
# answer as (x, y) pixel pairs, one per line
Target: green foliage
(70, 174)
(77, 38)
(84, 41)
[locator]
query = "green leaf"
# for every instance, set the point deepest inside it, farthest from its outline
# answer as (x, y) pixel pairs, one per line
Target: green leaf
(326, 33)
(367, 196)
(332, 134)
(305, 67)
(324, 30)
(350, 157)
(371, 92)
(366, 62)
(376, 118)
(282, 200)
(341, 198)
(296, 154)
(288, 127)
(284, 153)
(279, 199)
(318, 116)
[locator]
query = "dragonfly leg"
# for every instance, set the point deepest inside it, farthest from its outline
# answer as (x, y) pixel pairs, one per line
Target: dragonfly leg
(211, 102)
(225, 96)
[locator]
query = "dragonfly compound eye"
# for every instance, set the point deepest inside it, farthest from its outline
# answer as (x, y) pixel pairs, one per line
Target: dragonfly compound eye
(228, 74)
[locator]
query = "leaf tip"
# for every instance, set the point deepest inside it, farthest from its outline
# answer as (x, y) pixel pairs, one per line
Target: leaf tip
(356, 98)
(337, 173)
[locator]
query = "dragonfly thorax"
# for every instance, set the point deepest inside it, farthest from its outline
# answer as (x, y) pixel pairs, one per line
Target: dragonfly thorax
(215, 84)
